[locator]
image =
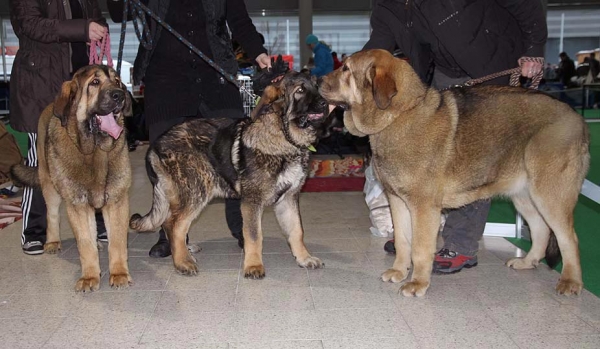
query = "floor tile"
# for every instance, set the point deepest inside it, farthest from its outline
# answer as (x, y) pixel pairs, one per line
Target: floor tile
(568, 341)
(16, 333)
(302, 344)
(400, 342)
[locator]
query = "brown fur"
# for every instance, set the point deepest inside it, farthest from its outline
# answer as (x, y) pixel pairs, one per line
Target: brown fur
(262, 160)
(435, 150)
(87, 169)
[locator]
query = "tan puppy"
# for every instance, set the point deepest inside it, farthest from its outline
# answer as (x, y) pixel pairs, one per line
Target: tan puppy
(84, 160)
(435, 150)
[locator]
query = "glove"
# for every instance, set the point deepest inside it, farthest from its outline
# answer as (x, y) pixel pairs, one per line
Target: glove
(266, 76)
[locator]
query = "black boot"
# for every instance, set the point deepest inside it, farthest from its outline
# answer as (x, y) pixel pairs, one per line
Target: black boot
(233, 215)
(162, 248)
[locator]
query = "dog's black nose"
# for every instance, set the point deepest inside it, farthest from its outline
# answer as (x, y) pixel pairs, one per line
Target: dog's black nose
(117, 95)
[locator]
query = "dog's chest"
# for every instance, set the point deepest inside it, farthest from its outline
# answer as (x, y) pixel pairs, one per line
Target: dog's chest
(292, 176)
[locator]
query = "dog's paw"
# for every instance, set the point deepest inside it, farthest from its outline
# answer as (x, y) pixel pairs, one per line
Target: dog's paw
(119, 281)
(187, 267)
(311, 263)
(52, 247)
(86, 284)
(393, 275)
(569, 287)
(521, 263)
(414, 288)
(254, 272)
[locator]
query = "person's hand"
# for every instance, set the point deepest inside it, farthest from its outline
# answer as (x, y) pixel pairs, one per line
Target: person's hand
(530, 69)
(263, 61)
(96, 32)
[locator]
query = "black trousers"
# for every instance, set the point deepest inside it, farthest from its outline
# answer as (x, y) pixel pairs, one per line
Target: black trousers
(34, 205)
(233, 211)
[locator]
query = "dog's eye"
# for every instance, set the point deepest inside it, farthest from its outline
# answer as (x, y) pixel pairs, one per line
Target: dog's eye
(344, 67)
(300, 90)
(95, 82)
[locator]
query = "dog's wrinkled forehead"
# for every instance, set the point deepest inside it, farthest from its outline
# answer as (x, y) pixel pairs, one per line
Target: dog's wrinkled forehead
(96, 75)
(294, 80)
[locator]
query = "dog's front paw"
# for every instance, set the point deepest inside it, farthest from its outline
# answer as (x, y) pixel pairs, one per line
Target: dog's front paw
(311, 263)
(187, 267)
(118, 281)
(394, 275)
(569, 287)
(88, 284)
(521, 263)
(52, 247)
(414, 288)
(254, 272)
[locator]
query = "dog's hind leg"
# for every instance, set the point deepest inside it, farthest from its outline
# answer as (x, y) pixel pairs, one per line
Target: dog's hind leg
(287, 212)
(557, 161)
(53, 201)
(402, 240)
(116, 214)
(177, 227)
(540, 232)
(558, 213)
(253, 240)
(83, 224)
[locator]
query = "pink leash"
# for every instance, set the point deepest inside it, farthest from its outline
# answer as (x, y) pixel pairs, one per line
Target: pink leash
(104, 46)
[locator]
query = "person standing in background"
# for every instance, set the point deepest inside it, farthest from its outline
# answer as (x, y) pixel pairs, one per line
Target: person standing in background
(180, 86)
(566, 69)
(322, 54)
(336, 61)
(53, 37)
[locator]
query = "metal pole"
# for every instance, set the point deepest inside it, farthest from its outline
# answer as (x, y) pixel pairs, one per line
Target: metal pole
(562, 32)
(2, 33)
(287, 36)
(305, 22)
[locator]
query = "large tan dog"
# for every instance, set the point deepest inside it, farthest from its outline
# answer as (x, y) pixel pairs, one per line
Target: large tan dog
(444, 149)
(84, 160)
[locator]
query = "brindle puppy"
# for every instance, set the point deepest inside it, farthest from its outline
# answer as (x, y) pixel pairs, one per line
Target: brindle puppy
(262, 160)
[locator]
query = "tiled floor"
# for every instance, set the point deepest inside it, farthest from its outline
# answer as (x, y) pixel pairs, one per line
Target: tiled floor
(344, 305)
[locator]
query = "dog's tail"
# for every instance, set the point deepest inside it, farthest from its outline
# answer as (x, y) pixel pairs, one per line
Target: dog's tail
(22, 175)
(160, 204)
(553, 256)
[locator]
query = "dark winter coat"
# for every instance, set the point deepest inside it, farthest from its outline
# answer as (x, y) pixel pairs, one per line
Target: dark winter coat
(43, 60)
(179, 83)
(472, 37)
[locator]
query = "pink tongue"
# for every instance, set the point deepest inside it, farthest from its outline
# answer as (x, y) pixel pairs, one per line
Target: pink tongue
(108, 125)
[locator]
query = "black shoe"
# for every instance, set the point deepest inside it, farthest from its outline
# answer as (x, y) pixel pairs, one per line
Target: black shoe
(161, 249)
(103, 236)
(389, 247)
(33, 247)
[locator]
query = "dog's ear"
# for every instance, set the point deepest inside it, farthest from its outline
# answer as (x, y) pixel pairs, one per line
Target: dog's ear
(383, 85)
(64, 101)
(128, 106)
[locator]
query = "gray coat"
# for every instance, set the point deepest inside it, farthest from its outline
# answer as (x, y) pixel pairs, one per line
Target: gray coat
(43, 61)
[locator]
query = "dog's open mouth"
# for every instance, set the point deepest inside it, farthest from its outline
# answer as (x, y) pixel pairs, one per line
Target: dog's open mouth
(315, 116)
(108, 124)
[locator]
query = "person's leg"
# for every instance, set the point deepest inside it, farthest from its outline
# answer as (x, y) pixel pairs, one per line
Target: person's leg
(100, 227)
(233, 215)
(162, 248)
(33, 207)
(462, 231)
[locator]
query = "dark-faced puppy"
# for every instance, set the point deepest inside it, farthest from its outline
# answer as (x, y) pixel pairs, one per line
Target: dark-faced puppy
(84, 160)
(444, 149)
(263, 160)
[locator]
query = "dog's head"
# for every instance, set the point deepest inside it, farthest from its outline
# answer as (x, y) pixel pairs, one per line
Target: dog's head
(373, 87)
(92, 106)
(303, 113)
